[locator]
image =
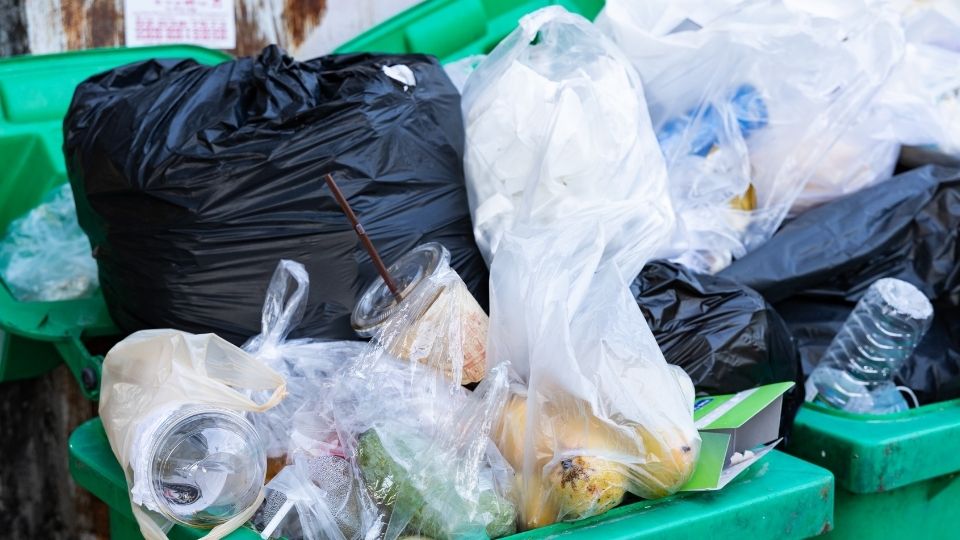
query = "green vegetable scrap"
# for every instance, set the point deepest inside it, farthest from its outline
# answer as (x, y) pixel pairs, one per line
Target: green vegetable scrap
(393, 487)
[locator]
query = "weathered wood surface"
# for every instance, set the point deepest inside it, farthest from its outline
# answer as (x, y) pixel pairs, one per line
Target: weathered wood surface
(299, 26)
(38, 498)
(66, 25)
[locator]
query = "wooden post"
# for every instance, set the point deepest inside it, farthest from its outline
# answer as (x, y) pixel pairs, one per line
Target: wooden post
(37, 494)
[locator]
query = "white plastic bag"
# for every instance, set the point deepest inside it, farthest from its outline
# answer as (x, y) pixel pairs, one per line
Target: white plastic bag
(570, 195)
(580, 124)
(747, 103)
(153, 372)
(864, 155)
(45, 256)
(920, 105)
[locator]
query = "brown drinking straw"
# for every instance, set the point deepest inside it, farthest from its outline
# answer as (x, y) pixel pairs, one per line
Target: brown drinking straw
(367, 244)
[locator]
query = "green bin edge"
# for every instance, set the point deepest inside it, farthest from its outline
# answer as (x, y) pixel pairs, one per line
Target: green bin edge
(453, 29)
(873, 454)
(779, 497)
(898, 476)
(34, 94)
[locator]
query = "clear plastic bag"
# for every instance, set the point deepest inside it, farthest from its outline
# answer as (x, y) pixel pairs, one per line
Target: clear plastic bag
(317, 498)
(597, 412)
(420, 440)
(163, 386)
(315, 492)
(45, 256)
(920, 104)
(384, 441)
(805, 78)
(304, 363)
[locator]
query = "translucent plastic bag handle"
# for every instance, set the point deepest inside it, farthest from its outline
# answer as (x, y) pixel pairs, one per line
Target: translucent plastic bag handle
(238, 370)
(200, 368)
(530, 25)
(281, 314)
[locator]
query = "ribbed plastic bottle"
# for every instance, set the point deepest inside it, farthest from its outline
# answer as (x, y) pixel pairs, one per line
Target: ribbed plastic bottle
(856, 372)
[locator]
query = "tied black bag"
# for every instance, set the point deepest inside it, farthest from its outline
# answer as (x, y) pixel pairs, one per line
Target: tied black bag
(723, 334)
(817, 266)
(193, 181)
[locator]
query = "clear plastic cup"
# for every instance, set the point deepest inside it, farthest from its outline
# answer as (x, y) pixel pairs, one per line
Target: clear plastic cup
(437, 323)
(206, 465)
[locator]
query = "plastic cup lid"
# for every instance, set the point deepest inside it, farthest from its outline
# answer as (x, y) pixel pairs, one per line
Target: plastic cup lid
(208, 465)
(377, 303)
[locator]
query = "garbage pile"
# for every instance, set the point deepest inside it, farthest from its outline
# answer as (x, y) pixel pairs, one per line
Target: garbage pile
(370, 302)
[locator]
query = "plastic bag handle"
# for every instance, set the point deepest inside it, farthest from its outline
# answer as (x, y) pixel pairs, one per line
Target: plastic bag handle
(279, 317)
(149, 529)
(238, 370)
(278, 394)
(531, 23)
(239, 400)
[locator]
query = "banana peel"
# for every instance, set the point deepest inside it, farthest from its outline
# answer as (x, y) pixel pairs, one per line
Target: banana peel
(746, 201)
(585, 486)
(579, 486)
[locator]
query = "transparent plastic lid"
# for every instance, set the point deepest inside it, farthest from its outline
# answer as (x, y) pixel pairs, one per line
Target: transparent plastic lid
(207, 466)
(377, 304)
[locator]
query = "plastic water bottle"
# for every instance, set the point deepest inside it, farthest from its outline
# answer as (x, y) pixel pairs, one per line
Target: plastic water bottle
(856, 372)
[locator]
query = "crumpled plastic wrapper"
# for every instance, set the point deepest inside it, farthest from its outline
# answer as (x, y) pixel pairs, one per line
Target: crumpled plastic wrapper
(45, 255)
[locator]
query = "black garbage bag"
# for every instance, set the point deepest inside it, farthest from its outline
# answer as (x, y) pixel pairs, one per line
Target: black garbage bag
(194, 181)
(723, 334)
(817, 266)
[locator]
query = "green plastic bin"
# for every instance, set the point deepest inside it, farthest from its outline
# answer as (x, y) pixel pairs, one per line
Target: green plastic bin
(35, 92)
(780, 497)
(453, 29)
(898, 476)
